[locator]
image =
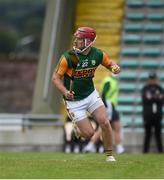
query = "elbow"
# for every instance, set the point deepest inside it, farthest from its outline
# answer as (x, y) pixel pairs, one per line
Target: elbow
(53, 79)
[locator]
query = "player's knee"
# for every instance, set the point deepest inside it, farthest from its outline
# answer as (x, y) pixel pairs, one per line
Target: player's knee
(104, 124)
(88, 134)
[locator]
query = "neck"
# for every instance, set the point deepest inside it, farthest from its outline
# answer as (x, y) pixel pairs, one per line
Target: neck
(86, 51)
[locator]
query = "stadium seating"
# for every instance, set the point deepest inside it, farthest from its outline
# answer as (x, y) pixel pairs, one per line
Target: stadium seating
(127, 87)
(141, 52)
(138, 122)
(161, 76)
(130, 51)
(125, 109)
(138, 109)
(126, 120)
(135, 38)
(135, 16)
(132, 38)
(129, 63)
(153, 39)
(125, 99)
(155, 16)
(146, 63)
(128, 75)
(161, 64)
(149, 64)
(138, 27)
(133, 27)
(153, 27)
(135, 3)
(155, 3)
(151, 52)
(141, 3)
(143, 75)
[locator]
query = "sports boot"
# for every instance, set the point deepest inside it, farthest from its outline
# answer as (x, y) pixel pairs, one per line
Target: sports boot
(110, 158)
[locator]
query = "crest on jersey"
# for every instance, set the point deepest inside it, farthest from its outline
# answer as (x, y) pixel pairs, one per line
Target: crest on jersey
(93, 62)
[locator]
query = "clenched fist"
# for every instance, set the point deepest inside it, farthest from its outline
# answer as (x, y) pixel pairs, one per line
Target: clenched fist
(115, 68)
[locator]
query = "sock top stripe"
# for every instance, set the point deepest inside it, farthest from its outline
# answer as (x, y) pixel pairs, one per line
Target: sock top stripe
(108, 152)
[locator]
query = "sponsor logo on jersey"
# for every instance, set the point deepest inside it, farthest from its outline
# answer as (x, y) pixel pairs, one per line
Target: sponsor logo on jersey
(88, 72)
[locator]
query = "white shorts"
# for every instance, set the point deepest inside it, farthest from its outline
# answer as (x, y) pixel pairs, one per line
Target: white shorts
(77, 110)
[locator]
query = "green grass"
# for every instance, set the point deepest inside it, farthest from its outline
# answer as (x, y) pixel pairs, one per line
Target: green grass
(79, 166)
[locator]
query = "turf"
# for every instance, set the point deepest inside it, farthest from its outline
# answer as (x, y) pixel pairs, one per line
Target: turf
(79, 166)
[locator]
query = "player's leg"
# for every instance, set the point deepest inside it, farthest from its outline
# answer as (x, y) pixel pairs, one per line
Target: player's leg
(85, 128)
(117, 131)
(68, 136)
(158, 134)
(90, 147)
(148, 129)
(98, 112)
(116, 126)
(96, 135)
(100, 115)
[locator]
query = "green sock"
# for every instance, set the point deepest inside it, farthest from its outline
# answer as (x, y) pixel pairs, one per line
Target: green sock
(108, 152)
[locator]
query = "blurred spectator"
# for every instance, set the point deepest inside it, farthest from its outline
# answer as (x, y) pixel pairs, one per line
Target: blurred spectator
(72, 143)
(110, 99)
(152, 101)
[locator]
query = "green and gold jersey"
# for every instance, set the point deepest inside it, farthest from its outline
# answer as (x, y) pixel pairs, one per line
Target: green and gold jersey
(84, 73)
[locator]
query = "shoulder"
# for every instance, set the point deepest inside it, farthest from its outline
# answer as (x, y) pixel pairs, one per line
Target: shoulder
(97, 51)
(67, 58)
(66, 54)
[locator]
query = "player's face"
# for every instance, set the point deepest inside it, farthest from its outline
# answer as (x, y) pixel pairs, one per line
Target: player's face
(79, 43)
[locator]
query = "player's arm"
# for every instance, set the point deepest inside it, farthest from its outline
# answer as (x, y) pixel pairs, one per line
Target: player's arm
(110, 64)
(59, 72)
(57, 81)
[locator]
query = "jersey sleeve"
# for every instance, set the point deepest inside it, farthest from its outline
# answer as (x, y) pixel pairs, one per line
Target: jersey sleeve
(62, 66)
(106, 60)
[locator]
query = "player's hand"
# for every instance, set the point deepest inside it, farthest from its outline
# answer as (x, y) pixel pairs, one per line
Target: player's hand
(69, 95)
(115, 68)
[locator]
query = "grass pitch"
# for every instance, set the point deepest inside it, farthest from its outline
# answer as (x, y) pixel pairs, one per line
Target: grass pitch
(79, 166)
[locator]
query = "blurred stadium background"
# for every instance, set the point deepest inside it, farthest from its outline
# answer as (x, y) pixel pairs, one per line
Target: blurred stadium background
(33, 35)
